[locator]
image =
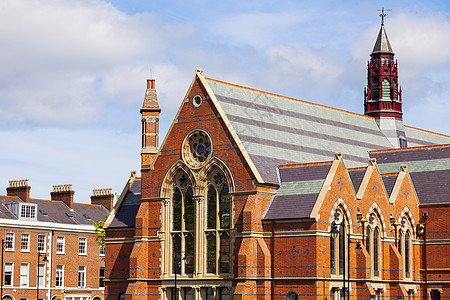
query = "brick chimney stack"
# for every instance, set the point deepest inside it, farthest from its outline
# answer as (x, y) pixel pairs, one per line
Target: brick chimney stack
(103, 197)
(64, 193)
(19, 188)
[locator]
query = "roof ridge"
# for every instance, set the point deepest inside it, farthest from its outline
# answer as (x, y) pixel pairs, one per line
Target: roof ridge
(305, 164)
(389, 174)
(288, 98)
(410, 148)
(357, 168)
(428, 131)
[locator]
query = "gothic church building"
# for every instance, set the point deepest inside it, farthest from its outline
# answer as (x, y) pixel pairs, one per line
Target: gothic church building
(253, 195)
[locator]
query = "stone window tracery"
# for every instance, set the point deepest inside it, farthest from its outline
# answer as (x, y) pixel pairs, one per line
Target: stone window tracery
(183, 219)
(217, 231)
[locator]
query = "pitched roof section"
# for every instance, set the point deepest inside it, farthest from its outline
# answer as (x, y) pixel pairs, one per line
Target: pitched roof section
(125, 214)
(429, 168)
(57, 211)
(382, 44)
(300, 187)
(278, 130)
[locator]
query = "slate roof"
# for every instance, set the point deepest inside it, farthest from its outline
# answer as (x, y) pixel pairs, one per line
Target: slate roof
(389, 182)
(300, 187)
(429, 168)
(126, 215)
(56, 211)
(278, 130)
(356, 176)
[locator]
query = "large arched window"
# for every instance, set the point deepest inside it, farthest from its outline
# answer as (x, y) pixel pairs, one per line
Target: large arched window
(217, 232)
(183, 221)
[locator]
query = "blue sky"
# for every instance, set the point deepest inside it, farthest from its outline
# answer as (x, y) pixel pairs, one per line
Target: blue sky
(74, 72)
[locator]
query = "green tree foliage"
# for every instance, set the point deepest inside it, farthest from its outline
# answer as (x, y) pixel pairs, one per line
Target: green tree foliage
(100, 232)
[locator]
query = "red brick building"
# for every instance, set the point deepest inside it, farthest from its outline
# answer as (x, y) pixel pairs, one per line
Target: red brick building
(49, 246)
(253, 195)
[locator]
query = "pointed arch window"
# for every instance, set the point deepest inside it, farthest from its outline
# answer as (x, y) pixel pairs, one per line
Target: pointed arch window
(183, 220)
(217, 233)
(386, 89)
(373, 244)
(376, 252)
(407, 255)
(368, 237)
(341, 250)
(375, 89)
(405, 246)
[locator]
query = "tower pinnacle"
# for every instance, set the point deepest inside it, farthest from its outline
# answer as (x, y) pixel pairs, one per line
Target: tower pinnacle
(383, 96)
(150, 125)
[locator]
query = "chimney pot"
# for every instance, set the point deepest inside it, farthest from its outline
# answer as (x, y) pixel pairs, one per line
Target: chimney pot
(151, 84)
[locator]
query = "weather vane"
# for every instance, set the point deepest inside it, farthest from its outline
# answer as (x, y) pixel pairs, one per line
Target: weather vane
(382, 15)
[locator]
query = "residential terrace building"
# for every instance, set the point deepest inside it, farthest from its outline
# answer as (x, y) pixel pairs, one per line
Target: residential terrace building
(49, 247)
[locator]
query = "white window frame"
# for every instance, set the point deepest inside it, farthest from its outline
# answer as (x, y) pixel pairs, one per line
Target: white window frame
(41, 243)
(102, 250)
(82, 246)
(27, 211)
(60, 243)
(41, 279)
(11, 270)
(25, 242)
(9, 240)
(81, 276)
(24, 273)
(60, 272)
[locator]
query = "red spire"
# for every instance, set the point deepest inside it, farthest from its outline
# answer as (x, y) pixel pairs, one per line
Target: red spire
(383, 97)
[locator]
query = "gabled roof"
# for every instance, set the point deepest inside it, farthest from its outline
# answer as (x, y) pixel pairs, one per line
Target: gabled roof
(299, 190)
(276, 130)
(57, 211)
(429, 168)
(126, 208)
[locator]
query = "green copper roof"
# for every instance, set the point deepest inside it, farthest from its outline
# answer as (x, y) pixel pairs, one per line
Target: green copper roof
(382, 44)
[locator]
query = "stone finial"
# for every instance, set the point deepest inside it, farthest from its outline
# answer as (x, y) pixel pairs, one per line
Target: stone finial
(403, 168)
(373, 161)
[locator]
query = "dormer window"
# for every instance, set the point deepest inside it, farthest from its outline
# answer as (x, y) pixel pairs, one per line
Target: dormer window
(402, 141)
(23, 211)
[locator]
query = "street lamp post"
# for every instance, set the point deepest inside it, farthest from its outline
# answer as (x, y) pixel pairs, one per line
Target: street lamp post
(37, 279)
(335, 234)
(185, 258)
(3, 252)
